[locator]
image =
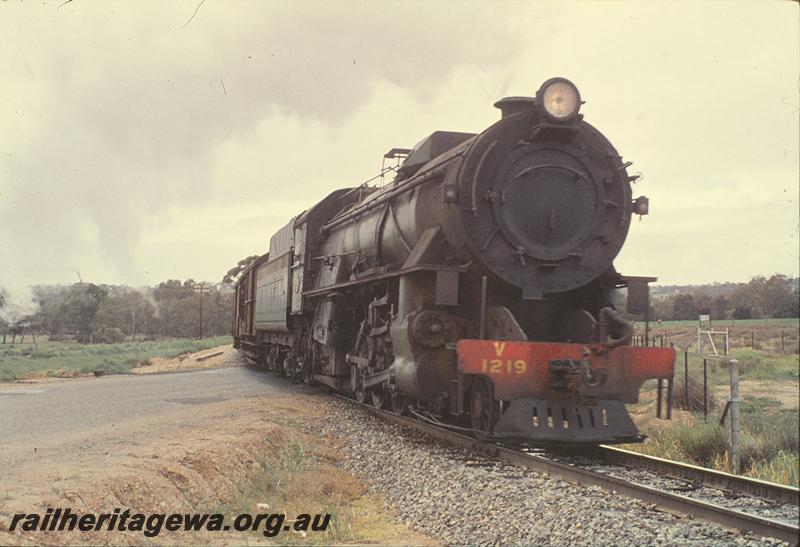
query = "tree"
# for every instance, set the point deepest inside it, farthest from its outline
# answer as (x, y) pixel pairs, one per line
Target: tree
(703, 302)
(3, 322)
(720, 307)
(241, 266)
(743, 299)
(80, 309)
(684, 307)
(768, 297)
(129, 311)
(50, 316)
(173, 289)
(775, 294)
(179, 308)
(742, 312)
(791, 309)
(662, 308)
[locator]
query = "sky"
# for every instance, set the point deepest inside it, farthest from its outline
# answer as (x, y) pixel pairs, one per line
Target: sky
(143, 141)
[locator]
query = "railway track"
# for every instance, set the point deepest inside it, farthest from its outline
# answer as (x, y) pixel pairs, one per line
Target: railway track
(732, 501)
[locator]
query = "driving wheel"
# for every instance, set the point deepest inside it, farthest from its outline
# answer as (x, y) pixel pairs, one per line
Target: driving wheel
(484, 411)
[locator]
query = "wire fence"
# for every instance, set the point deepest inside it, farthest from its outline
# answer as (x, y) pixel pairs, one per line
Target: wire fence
(690, 388)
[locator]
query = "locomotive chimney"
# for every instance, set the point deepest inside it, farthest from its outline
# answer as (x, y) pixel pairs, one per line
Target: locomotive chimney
(514, 105)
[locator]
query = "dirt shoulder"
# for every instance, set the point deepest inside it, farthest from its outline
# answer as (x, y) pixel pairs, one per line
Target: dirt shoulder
(786, 394)
(244, 455)
(208, 358)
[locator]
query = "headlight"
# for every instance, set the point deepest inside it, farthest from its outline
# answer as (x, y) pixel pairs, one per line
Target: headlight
(559, 99)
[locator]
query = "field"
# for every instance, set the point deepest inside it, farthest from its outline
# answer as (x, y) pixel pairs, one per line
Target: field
(758, 334)
(731, 323)
(69, 358)
(769, 393)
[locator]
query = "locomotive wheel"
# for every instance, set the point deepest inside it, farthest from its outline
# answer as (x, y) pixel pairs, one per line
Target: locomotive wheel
(483, 409)
(306, 372)
(262, 357)
(288, 368)
(398, 402)
(378, 397)
(358, 394)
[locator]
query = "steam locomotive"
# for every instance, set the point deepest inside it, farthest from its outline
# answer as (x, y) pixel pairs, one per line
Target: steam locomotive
(477, 287)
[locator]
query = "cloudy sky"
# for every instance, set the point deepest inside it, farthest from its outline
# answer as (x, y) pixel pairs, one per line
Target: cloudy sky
(139, 145)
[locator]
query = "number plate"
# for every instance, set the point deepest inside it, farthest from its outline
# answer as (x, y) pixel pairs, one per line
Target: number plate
(522, 369)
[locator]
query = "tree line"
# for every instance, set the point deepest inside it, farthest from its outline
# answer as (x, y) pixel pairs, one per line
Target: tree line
(762, 297)
(95, 313)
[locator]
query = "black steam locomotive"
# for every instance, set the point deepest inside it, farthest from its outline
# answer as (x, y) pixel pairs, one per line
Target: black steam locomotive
(477, 286)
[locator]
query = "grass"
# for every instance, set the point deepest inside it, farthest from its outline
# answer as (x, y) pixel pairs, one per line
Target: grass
(753, 365)
(69, 358)
(777, 336)
(782, 469)
(722, 323)
(304, 478)
(695, 443)
(769, 441)
(769, 417)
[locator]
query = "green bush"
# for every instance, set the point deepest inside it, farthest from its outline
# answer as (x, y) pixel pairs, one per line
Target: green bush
(780, 429)
(701, 442)
(749, 360)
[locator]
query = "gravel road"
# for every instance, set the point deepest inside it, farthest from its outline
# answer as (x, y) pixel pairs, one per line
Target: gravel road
(463, 498)
(43, 418)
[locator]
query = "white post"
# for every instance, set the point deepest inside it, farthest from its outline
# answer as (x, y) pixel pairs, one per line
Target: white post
(699, 342)
(733, 367)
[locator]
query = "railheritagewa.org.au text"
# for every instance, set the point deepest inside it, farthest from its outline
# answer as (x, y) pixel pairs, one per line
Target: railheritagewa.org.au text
(151, 525)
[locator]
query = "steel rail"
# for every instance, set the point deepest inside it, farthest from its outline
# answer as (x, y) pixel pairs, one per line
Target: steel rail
(709, 477)
(730, 518)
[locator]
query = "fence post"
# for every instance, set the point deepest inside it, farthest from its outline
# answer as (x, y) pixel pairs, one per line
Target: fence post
(752, 340)
(781, 339)
(705, 390)
(686, 379)
(727, 342)
(699, 342)
(734, 409)
(669, 397)
(658, 401)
